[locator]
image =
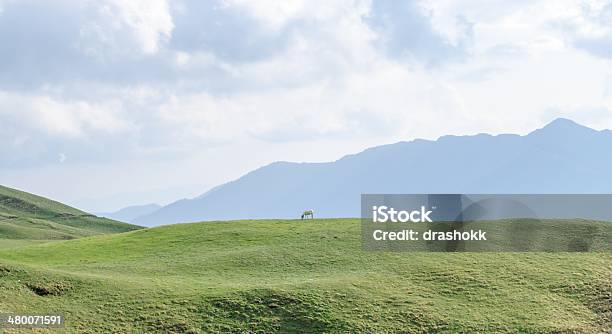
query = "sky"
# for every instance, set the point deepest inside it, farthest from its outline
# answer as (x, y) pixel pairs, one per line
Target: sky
(110, 103)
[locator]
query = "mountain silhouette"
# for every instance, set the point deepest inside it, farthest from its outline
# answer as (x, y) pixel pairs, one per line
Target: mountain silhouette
(562, 157)
(130, 213)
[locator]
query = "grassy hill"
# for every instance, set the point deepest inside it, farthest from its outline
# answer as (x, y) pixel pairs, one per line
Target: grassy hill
(300, 277)
(27, 218)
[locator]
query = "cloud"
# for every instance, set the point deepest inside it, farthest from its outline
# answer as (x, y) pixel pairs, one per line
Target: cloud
(117, 27)
(62, 41)
(200, 92)
(110, 79)
(227, 31)
(405, 30)
(205, 45)
(588, 28)
(594, 35)
(36, 128)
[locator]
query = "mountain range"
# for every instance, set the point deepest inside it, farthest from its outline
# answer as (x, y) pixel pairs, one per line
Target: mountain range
(130, 213)
(562, 157)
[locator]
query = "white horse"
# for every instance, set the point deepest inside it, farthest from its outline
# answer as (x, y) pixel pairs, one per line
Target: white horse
(308, 213)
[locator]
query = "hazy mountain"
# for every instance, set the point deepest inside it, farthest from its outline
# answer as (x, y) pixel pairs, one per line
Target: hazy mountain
(562, 157)
(130, 213)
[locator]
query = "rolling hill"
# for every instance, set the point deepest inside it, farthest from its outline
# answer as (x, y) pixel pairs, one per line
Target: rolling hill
(563, 157)
(301, 277)
(27, 218)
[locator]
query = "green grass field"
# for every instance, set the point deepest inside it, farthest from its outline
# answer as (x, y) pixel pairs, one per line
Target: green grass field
(27, 218)
(298, 277)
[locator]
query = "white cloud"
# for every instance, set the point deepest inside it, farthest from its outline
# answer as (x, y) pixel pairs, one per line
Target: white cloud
(325, 72)
(275, 14)
(39, 127)
(49, 116)
(111, 81)
(588, 28)
(123, 26)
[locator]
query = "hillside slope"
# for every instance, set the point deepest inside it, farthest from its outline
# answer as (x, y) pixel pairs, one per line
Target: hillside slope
(300, 277)
(25, 216)
(563, 157)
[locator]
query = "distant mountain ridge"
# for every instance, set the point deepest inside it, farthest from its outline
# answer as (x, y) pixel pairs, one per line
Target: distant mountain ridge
(562, 157)
(130, 213)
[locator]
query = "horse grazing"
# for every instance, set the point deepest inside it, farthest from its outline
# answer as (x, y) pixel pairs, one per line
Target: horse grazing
(308, 213)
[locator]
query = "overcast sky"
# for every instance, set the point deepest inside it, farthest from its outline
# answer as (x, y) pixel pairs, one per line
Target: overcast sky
(110, 103)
